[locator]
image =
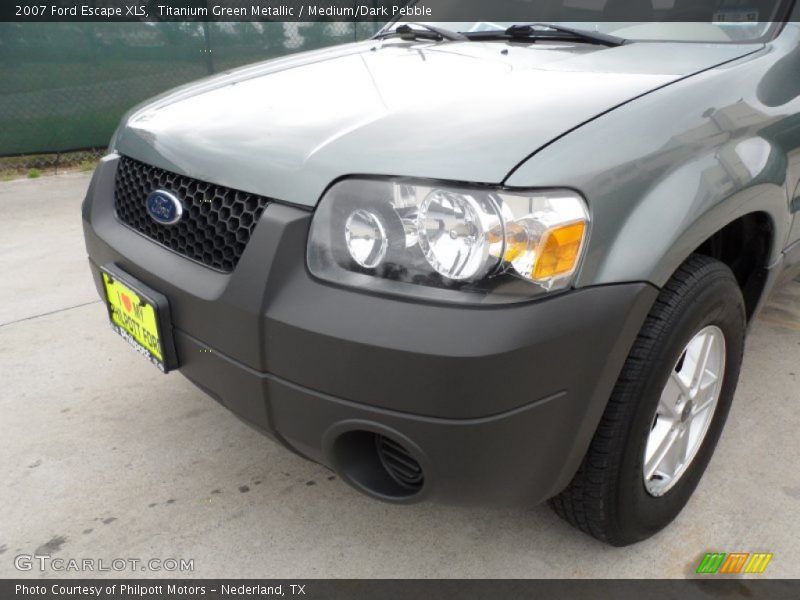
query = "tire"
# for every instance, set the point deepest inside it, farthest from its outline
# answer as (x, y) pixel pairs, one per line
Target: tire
(608, 498)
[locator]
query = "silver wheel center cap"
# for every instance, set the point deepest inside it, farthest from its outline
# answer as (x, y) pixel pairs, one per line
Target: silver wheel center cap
(687, 411)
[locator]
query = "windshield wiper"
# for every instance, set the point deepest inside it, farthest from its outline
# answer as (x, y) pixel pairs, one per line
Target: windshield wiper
(559, 32)
(407, 31)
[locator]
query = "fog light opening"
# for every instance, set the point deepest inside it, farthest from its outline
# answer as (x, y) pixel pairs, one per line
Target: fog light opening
(378, 465)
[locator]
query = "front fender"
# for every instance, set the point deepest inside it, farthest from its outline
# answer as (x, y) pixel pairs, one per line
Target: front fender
(664, 172)
(688, 205)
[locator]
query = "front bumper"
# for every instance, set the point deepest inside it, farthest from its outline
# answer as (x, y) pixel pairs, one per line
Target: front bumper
(497, 404)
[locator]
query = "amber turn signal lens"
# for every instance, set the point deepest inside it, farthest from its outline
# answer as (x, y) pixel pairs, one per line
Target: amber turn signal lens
(560, 251)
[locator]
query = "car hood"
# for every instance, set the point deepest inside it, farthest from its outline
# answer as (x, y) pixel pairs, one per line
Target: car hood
(463, 111)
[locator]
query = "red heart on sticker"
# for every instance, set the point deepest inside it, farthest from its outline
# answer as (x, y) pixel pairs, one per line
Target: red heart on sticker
(127, 302)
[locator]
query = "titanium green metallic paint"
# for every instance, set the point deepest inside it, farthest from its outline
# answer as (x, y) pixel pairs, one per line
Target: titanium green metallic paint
(672, 114)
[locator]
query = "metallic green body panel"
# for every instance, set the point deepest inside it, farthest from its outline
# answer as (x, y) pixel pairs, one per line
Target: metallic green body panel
(664, 173)
(668, 142)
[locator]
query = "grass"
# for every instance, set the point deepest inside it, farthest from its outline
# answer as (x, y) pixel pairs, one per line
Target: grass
(33, 166)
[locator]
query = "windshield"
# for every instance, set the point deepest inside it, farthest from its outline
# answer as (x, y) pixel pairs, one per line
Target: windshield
(715, 21)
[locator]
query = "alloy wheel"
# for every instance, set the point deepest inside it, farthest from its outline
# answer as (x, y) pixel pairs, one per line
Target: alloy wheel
(685, 411)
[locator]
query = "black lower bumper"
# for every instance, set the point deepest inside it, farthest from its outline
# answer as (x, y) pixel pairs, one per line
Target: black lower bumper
(497, 405)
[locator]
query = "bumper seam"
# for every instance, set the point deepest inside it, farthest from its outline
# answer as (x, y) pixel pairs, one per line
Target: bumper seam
(378, 409)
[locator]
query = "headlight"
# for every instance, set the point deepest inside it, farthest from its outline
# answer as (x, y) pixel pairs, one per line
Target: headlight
(454, 231)
(447, 242)
(366, 238)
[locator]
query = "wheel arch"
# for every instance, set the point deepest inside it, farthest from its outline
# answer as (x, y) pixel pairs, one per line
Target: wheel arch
(745, 245)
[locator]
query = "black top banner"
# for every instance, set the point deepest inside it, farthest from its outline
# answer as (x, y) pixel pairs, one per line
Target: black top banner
(716, 11)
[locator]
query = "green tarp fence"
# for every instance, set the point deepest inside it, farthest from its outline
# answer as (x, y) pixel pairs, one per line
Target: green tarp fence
(65, 86)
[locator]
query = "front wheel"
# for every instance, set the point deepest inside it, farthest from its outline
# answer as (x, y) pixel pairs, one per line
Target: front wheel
(667, 410)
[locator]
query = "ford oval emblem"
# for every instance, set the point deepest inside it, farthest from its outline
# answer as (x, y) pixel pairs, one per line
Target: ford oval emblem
(164, 207)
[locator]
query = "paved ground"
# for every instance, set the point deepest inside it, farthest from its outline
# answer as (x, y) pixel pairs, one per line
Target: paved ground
(101, 457)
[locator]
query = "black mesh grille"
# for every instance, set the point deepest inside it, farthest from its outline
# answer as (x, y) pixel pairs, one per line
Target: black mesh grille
(217, 221)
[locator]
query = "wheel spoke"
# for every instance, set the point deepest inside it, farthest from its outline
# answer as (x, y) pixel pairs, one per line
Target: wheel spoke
(701, 365)
(671, 461)
(680, 449)
(707, 384)
(708, 400)
(674, 392)
(659, 454)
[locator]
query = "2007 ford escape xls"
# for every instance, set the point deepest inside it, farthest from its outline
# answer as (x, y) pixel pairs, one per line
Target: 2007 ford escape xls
(470, 262)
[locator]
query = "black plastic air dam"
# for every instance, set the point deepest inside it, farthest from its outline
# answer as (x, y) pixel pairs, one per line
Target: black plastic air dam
(515, 456)
(510, 459)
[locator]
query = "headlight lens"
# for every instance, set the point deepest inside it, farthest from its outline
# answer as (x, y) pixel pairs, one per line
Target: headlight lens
(366, 238)
(453, 231)
(447, 242)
